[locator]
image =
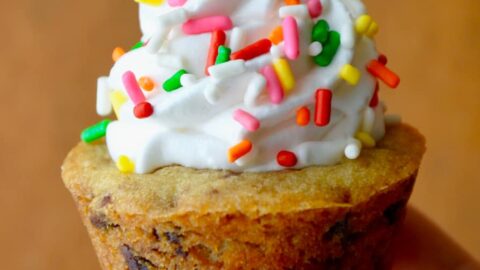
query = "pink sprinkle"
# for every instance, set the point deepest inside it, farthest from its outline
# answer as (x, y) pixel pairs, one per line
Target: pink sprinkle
(133, 89)
(314, 8)
(291, 38)
(176, 3)
(207, 24)
(248, 121)
(274, 88)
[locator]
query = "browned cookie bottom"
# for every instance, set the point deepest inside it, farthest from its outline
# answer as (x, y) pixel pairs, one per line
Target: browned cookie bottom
(336, 238)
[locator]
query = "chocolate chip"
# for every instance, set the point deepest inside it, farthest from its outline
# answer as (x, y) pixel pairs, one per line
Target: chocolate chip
(99, 221)
(342, 232)
(393, 213)
(338, 230)
(175, 238)
(129, 258)
(155, 234)
(172, 237)
(180, 252)
(106, 201)
(135, 262)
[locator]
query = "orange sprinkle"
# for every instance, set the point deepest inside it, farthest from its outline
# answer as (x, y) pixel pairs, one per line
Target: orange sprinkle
(292, 2)
(380, 71)
(146, 83)
(117, 53)
(239, 150)
(303, 116)
(276, 36)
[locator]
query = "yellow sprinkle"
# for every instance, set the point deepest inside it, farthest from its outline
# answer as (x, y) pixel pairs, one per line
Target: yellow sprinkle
(117, 98)
(363, 23)
(366, 139)
(125, 165)
(284, 73)
(372, 30)
(151, 2)
(350, 74)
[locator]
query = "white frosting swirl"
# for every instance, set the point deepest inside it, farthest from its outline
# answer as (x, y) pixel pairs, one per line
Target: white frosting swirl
(194, 126)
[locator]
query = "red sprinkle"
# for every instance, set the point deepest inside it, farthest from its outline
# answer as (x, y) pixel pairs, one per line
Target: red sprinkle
(218, 39)
(315, 8)
(323, 107)
(143, 110)
(380, 71)
(374, 101)
(382, 59)
(254, 50)
(286, 159)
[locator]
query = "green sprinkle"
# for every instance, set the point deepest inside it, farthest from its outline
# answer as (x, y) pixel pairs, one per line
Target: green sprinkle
(223, 55)
(330, 41)
(329, 51)
(320, 31)
(96, 131)
(137, 45)
(174, 83)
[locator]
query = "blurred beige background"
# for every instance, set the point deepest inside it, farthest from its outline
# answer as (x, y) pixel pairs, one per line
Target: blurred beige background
(52, 51)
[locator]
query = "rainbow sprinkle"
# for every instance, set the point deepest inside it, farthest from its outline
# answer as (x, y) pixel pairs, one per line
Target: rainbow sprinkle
(330, 41)
(96, 131)
(125, 165)
(239, 150)
(174, 82)
(223, 55)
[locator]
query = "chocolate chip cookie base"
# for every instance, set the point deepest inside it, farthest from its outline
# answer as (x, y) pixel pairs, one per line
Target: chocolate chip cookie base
(335, 217)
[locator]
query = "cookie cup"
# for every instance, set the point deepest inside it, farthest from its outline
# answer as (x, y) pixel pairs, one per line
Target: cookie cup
(325, 217)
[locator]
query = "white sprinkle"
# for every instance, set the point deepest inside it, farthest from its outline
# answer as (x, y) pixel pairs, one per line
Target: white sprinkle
(212, 93)
(173, 18)
(188, 80)
(172, 61)
(393, 119)
(297, 11)
(368, 120)
(258, 62)
(228, 69)
(157, 40)
(104, 106)
(255, 88)
(237, 39)
(348, 36)
(315, 48)
(355, 7)
(277, 51)
(353, 149)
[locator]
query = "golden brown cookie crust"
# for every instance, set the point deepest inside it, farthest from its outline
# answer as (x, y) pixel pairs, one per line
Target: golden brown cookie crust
(183, 218)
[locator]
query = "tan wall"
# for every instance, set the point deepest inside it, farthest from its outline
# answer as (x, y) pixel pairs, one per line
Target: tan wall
(52, 51)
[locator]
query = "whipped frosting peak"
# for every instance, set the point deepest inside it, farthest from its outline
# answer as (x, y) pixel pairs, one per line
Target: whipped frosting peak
(299, 101)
